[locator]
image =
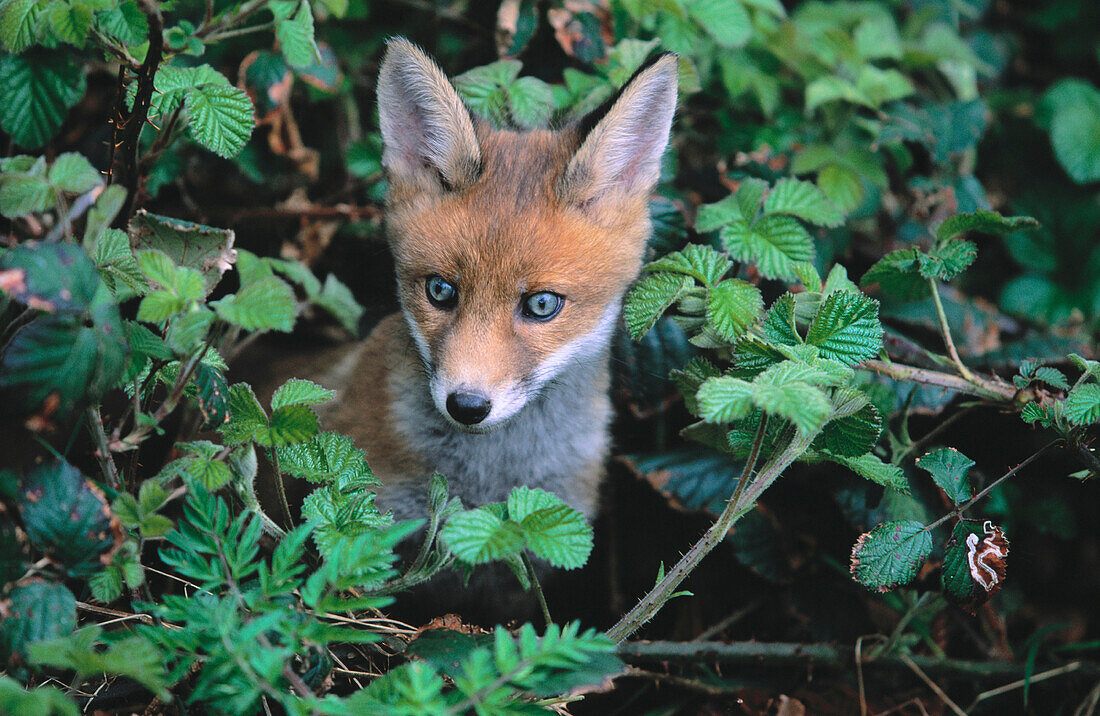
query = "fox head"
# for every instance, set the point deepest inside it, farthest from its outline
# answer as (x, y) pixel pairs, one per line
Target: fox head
(513, 249)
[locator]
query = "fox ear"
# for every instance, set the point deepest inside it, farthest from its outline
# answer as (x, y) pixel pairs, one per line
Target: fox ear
(621, 154)
(427, 133)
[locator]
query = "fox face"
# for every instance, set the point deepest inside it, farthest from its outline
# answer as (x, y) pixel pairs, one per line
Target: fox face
(513, 250)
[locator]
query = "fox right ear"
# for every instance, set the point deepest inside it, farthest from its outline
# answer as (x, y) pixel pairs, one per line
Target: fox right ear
(427, 135)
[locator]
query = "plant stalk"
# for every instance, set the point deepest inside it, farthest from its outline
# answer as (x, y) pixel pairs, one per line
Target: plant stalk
(982, 387)
(537, 587)
(945, 330)
(652, 602)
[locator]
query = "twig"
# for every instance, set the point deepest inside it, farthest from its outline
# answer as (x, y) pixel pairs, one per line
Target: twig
(537, 587)
(652, 602)
(976, 386)
(908, 661)
(102, 452)
(1020, 683)
(945, 331)
(128, 122)
(969, 503)
(280, 488)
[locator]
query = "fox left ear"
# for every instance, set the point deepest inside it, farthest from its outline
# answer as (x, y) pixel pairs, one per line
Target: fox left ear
(620, 156)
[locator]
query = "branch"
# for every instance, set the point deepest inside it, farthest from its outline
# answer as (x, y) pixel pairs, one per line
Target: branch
(823, 656)
(128, 123)
(982, 387)
(945, 330)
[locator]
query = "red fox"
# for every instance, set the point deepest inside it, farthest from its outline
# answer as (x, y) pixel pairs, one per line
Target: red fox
(513, 251)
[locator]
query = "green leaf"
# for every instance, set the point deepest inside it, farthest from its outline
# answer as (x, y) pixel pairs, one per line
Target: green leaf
(126, 23)
(831, 88)
(891, 554)
(947, 260)
(531, 102)
(1052, 377)
(779, 322)
(18, 19)
(328, 457)
(949, 468)
(39, 89)
(69, 21)
(732, 307)
(22, 194)
(897, 273)
(300, 392)
(195, 246)
(485, 89)
(35, 611)
(958, 583)
(553, 530)
(871, 467)
(846, 328)
(116, 264)
(337, 299)
(726, 21)
(44, 700)
(294, 29)
(853, 435)
(54, 278)
(701, 262)
(804, 200)
(842, 186)
(480, 536)
(714, 216)
(73, 173)
(106, 585)
(246, 416)
(289, 424)
(221, 118)
(60, 357)
(724, 399)
(1074, 109)
(135, 657)
(1082, 407)
(67, 517)
(650, 298)
(187, 331)
(267, 304)
(986, 222)
(775, 243)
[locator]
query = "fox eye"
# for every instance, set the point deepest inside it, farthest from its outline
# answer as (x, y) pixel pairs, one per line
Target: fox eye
(441, 294)
(542, 306)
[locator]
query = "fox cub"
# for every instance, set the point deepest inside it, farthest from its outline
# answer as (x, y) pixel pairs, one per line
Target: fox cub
(513, 251)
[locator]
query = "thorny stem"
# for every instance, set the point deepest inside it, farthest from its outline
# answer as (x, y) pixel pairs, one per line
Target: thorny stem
(652, 602)
(969, 503)
(230, 20)
(140, 432)
(537, 587)
(280, 489)
(750, 461)
(103, 452)
(982, 387)
(128, 122)
(946, 331)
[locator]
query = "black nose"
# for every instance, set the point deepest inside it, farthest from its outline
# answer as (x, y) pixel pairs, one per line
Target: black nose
(468, 408)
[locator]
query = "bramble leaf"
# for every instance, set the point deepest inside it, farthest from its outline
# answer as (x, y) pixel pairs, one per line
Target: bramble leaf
(1082, 407)
(553, 530)
(846, 328)
(897, 273)
(39, 90)
(775, 243)
(804, 200)
(220, 118)
(949, 468)
(948, 260)
(650, 298)
(891, 554)
(732, 307)
(479, 536)
(700, 262)
(300, 392)
(267, 304)
(987, 222)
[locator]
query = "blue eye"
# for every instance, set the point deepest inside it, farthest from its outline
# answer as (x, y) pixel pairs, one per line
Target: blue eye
(542, 306)
(441, 294)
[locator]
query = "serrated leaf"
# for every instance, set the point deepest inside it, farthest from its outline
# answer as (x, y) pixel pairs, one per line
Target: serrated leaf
(846, 328)
(897, 273)
(871, 467)
(337, 299)
(294, 29)
(36, 611)
(300, 392)
(22, 194)
(804, 200)
(203, 248)
(725, 21)
(554, 531)
(328, 457)
(221, 118)
(126, 23)
(531, 102)
(39, 89)
(67, 517)
(288, 425)
(246, 416)
(69, 22)
(853, 435)
(987, 222)
(336, 517)
(714, 216)
(116, 263)
(724, 399)
(1052, 377)
(948, 260)
(732, 307)
(267, 304)
(891, 554)
(949, 468)
(54, 278)
(480, 536)
(72, 173)
(187, 331)
(779, 322)
(18, 19)
(650, 297)
(106, 585)
(1082, 407)
(700, 262)
(802, 404)
(775, 243)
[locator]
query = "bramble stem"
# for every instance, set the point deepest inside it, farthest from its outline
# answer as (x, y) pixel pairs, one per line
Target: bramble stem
(652, 602)
(102, 452)
(946, 331)
(967, 505)
(537, 587)
(982, 387)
